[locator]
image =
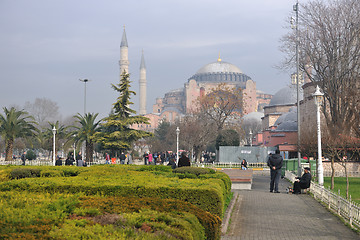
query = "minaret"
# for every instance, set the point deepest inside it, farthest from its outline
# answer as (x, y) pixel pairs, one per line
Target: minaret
(124, 55)
(142, 85)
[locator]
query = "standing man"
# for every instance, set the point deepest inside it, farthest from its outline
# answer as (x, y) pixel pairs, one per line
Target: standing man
(275, 164)
(122, 158)
(23, 158)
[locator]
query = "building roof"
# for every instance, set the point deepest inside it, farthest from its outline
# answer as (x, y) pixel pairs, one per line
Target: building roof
(220, 72)
(253, 116)
(286, 96)
(219, 67)
(287, 121)
(124, 42)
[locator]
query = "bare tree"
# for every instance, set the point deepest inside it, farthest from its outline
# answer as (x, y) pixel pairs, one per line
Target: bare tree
(330, 56)
(223, 106)
(43, 110)
(196, 133)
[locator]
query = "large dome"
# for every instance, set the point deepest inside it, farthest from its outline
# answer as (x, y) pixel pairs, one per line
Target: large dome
(219, 67)
(220, 72)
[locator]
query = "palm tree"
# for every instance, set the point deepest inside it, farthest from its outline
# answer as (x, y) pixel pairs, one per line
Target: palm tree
(85, 131)
(15, 124)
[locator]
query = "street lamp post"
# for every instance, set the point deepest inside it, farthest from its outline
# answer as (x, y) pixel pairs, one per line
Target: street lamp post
(74, 150)
(84, 81)
(54, 133)
(250, 133)
(177, 145)
(318, 96)
(296, 10)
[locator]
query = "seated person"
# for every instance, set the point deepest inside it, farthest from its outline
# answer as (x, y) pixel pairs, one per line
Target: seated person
(303, 182)
(58, 162)
(184, 161)
(243, 164)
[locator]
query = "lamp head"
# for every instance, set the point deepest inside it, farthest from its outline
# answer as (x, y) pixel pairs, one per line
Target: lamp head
(317, 94)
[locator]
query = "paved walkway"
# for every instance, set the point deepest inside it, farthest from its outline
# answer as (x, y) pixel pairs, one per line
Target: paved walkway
(259, 214)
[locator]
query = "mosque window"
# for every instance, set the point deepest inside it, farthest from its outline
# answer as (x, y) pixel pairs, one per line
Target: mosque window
(202, 92)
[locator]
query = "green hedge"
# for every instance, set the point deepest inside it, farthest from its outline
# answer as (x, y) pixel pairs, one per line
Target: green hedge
(208, 192)
(26, 215)
(211, 223)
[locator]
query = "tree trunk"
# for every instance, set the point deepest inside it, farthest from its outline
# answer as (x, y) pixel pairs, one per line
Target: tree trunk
(89, 151)
(332, 173)
(9, 149)
(347, 180)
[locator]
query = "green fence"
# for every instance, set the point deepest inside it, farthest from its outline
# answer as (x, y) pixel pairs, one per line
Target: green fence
(292, 165)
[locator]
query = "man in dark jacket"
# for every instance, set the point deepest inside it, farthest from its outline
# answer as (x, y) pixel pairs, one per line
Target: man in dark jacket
(275, 164)
(184, 161)
(303, 182)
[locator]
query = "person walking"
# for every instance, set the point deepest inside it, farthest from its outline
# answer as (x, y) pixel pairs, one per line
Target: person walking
(275, 164)
(129, 158)
(146, 158)
(107, 158)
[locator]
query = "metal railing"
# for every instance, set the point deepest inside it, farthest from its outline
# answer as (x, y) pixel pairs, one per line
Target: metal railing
(348, 210)
(229, 165)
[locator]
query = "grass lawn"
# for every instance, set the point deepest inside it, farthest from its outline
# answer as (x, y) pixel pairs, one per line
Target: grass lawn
(340, 183)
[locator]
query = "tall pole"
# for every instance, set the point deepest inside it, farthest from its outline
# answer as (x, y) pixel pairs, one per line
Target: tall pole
(177, 145)
(54, 133)
(84, 81)
(318, 96)
(296, 9)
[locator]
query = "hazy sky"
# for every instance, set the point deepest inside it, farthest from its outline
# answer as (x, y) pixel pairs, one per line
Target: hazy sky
(46, 46)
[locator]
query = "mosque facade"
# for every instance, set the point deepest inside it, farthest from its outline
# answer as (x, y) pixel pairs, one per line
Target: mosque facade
(177, 103)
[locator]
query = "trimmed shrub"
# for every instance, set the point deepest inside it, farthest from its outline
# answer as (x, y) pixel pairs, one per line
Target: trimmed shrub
(19, 173)
(111, 205)
(51, 173)
(30, 155)
(194, 170)
(70, 171)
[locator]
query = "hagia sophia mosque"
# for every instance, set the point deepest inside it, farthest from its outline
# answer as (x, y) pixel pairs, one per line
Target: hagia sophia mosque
(276, 113)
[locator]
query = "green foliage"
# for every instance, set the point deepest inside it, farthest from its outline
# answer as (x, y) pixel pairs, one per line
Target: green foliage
(15, 124)
(70, 171)
(228, 137)
(31, 155)
(19, 173)
(51, 173)
(26, 215)
(85, 129)
(116, 132)
(113, 189)
(210, 222)
(194, 170)
(340, 184)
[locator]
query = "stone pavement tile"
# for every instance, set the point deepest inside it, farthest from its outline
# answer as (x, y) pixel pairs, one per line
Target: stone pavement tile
(264, 215)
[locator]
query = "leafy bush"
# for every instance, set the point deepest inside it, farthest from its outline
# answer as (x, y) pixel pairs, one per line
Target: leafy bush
(194, 170)
(207, 193)
(117, 205)
(70, 171)
(31, 155)
(50, 173)
(19, 173)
